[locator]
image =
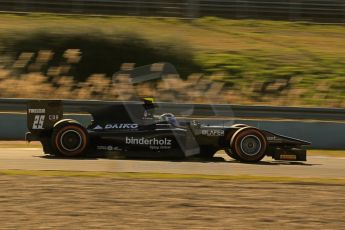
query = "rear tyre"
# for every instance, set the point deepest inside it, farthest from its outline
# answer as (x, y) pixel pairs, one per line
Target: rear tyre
(70, 139)
(248, 144)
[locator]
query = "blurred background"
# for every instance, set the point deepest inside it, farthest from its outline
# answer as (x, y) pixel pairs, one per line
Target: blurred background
(249, 52)
(226, 51)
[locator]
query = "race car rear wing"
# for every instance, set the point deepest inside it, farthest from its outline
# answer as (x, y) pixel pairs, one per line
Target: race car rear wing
(42, 115)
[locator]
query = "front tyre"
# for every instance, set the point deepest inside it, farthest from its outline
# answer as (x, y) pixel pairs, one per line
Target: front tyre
(239, 126)
(231, 154)
(70, 139)
(248, 144)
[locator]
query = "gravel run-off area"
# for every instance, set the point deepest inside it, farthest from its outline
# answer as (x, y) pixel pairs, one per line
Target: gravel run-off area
(56, 202)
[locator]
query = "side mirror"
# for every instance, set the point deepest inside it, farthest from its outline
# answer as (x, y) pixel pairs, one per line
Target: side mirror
(196, 123)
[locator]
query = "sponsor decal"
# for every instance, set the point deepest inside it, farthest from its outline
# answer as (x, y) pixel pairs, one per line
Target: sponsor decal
(53, 117)
(153, 143)
(212, 132)
(272, 138)
(121, 126)
(38, 122)
(117, 126)
(37, 110)
(108, 148)
(287, 157)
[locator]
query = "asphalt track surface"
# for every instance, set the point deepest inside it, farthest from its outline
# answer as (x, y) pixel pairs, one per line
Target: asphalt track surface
(315, 167)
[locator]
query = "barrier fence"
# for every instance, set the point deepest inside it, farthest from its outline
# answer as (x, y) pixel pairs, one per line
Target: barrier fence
(332, 11)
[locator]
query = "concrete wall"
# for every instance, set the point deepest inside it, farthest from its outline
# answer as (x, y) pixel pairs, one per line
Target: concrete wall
(323, 135)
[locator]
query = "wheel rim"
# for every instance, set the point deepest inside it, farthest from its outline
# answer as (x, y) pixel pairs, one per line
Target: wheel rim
(71, 140)
(250, 145)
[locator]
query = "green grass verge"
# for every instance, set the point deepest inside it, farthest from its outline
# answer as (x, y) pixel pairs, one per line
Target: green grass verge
(168, 176)
(240, 53)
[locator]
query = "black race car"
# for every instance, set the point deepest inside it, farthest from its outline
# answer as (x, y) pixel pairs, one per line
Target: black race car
(134, 130)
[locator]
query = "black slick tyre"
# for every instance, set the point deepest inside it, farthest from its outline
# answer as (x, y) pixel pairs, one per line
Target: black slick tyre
(231, 154)
(228, 150)
(239, 126)
(70, 139)
(248, 144)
